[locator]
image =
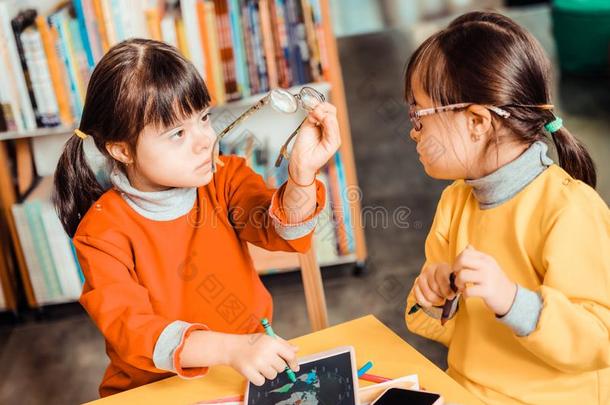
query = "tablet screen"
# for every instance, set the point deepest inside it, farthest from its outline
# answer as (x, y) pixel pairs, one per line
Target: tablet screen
(325, 381)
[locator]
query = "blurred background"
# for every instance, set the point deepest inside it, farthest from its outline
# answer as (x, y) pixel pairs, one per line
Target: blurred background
(57, 343)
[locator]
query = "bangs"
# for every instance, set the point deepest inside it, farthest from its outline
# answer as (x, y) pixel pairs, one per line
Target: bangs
(176, 92)
(163, 90)
(429, 65)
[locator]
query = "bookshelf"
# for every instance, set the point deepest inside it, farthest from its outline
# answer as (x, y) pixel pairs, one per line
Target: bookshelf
(27, 145)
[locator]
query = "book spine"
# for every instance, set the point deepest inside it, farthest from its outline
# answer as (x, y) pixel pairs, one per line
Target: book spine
(36, 275)
(283, 56)
(312, 41)
(226, 49)
(92, 31)
(40, 78)
(82, 31)
(249, 45)
(9, 96)
(58, 78)
(70, 73)
(77, 55)
(237, 38)
(215, 61)
(26, 117)
(268, 43)
(259, 51)
(61, 253)
(111, 30)
(188, 9)
(168, 30)
(116, 15)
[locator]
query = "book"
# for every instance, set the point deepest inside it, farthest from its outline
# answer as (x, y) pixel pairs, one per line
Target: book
(209, 39)
(42, 249)
(19, 23)
(258, 47)
(338, 208)
(9, 98)
(84, 31)
(268, 43)
(282, 48)
(26, 240)
(61, 253)
(153, 21)
(24, 114)
(65, 52)
(324, 238)
(188, 10)
(226, 50)
(56, 70)
(237, 40)
(50, 257)
(108, 22)
(40, 77)
(168, 29)
(93, 29)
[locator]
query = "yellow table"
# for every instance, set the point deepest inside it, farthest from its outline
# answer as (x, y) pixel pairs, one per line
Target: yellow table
(392, 358)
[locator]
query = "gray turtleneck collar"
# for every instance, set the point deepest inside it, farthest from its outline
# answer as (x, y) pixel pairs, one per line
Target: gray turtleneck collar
(503, 184)
(164, 205)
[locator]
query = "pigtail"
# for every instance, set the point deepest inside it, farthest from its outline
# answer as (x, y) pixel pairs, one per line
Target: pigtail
(574, 157)
(75, 185)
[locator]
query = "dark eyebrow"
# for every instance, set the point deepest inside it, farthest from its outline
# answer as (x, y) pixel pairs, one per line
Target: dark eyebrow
(167, 131)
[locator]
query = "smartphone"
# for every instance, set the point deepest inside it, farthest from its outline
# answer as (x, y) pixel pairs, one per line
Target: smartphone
(399, 396)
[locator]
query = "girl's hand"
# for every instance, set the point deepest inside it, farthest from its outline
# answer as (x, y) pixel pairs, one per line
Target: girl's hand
(317, 142)
(259, 357)
(432, 287)
(479, 275)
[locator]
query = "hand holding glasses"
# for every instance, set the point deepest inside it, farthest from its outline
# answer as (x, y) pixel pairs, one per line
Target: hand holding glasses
(282, 101)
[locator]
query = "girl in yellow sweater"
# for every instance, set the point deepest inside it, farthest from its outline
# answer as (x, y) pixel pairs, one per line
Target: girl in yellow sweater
(527, 241)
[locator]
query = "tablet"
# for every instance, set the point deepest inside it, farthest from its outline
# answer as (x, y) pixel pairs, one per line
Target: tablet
(325, 378)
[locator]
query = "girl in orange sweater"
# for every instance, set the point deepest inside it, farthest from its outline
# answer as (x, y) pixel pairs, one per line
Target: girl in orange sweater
(168, 278)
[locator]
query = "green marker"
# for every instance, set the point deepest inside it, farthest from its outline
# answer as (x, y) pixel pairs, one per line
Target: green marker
(414, 309)
(269, 332)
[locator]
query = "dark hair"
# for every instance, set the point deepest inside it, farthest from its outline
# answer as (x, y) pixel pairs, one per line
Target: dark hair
(486, 58)
(139, 82)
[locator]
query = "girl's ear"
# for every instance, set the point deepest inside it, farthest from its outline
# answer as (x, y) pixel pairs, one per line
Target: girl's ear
(120, 151)
(478, 121)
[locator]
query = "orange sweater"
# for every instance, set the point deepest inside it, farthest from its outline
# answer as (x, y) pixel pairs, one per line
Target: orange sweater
(141, 275)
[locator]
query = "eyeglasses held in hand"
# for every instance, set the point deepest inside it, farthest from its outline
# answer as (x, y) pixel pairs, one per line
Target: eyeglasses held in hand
(282, 101)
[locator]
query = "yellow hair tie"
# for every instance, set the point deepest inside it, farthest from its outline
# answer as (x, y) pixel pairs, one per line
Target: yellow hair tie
(80, 134)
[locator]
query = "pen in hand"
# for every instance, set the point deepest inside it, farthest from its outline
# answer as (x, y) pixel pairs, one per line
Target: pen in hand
(449, 304)
(269, 332)
(447, 307)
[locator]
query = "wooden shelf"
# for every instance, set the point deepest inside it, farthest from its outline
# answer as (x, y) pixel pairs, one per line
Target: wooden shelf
(61, 130)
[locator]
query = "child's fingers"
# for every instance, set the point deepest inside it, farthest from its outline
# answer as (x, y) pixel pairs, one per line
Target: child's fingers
(269, 372)
(474, 290)
(465, 276)
(287, 352)
(430, 295)
(430, 278)
(444, 285)
(468, 260)
(278, 364)
(294, 365)
(254, 376)
(324, 113)
(419, 297)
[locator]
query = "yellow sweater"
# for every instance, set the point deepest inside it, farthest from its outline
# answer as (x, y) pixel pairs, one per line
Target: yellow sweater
(553, 237)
